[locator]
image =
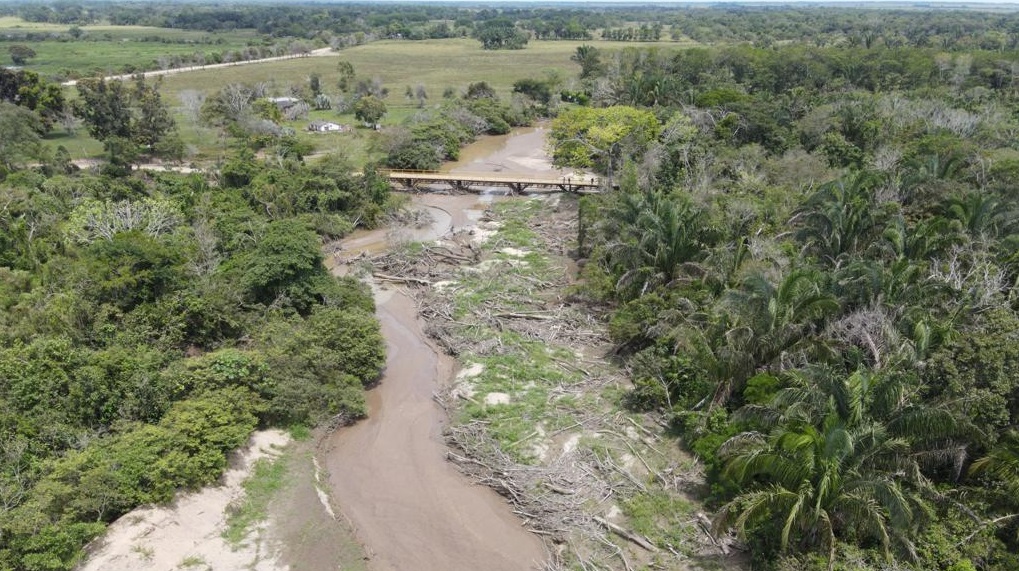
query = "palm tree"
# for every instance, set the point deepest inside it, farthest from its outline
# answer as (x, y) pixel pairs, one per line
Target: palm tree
(841, 218)
(1002, 464)
(589, 59)
(819, 488)
(979, 214)
(655, 235)
(837, 457)
(769, 320)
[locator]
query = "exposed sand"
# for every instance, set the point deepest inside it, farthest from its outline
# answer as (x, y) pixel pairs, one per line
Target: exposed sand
(186, 534)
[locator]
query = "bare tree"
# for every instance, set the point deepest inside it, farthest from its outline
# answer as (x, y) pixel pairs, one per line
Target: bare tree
(207, 258)
(970, 270)
(191, 100)
(420, 94)
(236, 98)
(297, 111)
(94, 220)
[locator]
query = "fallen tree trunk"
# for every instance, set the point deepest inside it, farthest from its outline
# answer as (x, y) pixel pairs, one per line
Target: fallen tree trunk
(402, 280)
(627, 534)
(519, 315)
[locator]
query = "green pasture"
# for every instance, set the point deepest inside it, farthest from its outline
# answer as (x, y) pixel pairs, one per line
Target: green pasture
(436, 64)
(12, 25)
(60, 59)
(109, 50)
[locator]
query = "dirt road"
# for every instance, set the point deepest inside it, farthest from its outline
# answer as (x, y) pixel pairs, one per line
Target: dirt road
(174, 71)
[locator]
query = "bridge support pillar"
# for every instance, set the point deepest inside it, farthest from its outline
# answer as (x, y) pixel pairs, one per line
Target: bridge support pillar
(460, 185)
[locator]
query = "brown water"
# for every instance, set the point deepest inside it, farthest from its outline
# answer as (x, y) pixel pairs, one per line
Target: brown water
(412, 509)
(522, 151)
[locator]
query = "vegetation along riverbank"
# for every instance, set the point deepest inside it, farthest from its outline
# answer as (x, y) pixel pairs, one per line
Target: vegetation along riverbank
(781, 336)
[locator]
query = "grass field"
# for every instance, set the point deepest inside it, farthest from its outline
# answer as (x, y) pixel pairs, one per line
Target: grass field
(56, 59)
(436, 64)
(106, 50)
(12, 25)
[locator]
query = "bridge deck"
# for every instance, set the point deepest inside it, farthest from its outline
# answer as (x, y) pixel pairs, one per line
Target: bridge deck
(517, 183)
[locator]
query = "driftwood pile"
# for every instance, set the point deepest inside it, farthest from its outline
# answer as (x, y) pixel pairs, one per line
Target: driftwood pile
(560, 497)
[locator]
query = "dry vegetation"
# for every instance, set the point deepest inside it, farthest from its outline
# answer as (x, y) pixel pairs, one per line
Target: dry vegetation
(536, 406)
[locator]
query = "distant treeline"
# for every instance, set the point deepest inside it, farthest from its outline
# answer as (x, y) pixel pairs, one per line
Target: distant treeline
(759, 25)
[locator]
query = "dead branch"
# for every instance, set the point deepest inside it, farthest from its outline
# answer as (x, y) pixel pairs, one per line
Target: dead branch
(626, 534)
(401, 280)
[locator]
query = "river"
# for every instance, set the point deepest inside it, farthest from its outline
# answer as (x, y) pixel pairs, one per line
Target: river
(389, 476)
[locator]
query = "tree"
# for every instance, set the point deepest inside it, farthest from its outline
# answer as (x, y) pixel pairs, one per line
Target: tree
(192, 100)
(587, 137)
(369, 110)
(322, 102)
(346, 70)
(841, 218)
(420, 94)
(19, 135)
(20, 53)
(110, 110)
(536, 89)
(27, 89)
(1002, 464)
(648, 253)
(500, 34)
(589, 59)
(480, 90)
(769, 318)
(285, 266)
(121, 153)
(105, 107)
(133, 267)
(153, 120)
(837, 459)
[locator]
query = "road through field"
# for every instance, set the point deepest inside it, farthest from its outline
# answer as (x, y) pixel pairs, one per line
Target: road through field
(174, 71)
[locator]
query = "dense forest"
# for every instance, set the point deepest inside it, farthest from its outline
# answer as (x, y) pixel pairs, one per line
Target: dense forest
(149, 323)
(811, 267)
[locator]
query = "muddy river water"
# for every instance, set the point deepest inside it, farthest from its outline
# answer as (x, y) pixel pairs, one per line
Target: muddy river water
(388, 474)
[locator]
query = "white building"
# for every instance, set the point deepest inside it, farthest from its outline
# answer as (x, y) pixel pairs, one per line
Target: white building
(324, 126)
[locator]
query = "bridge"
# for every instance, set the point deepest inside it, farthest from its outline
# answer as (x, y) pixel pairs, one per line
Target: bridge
(466, 182)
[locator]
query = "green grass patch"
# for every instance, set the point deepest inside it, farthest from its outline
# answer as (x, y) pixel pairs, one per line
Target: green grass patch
(109, 50)
(192, 562)
(59, 60)
(79, 144)
(13, 25)
(528, 370)
(663, 518)
(527, 374)
(266, 479)
(299, 432)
